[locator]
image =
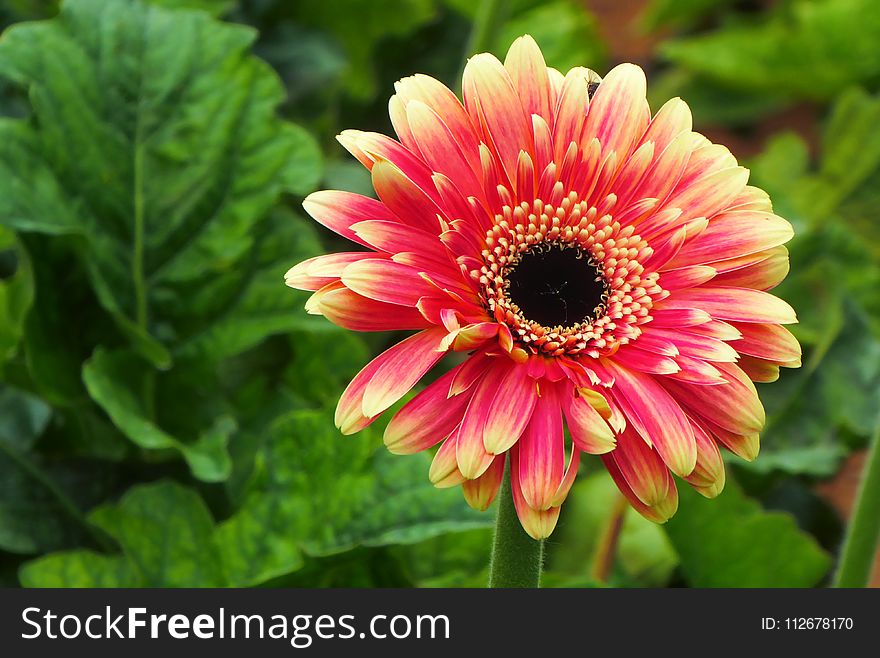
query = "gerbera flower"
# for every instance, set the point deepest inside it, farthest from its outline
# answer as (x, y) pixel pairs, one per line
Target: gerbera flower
(592, 267)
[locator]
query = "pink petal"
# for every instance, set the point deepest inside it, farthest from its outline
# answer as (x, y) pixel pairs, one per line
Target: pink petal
(671, 120)
(686, 277)
(339, 210)
(768, 341)
(480, 493)
(440, 150)
(493, 104)
(387, 378)
(733, 406)
(386, 281)
(733, 304)
(405, 198)
(541, 451)
(525, 64)
(440, 98)
(733, 234)
(658, 513)
(317, 272)
(618, 113)
(427, 419)
(657, 417)
(352, 311)
(539, 524)
(709, 194)
(370, 148)
(708, 476)
(444, 471)
(641, 468)
(471, 454)
(589, 431)
(762, 271)
(510, 409)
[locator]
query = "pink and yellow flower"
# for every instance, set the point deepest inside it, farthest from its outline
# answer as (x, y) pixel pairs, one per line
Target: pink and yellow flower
(592, 267)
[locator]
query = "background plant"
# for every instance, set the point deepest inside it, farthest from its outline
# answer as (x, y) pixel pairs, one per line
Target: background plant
(165, 404)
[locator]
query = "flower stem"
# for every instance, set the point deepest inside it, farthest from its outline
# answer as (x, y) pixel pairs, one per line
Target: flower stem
(606, 551)
(863, 534)
(517, 559)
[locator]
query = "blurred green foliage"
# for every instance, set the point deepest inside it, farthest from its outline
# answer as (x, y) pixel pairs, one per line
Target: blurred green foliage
(166, 406)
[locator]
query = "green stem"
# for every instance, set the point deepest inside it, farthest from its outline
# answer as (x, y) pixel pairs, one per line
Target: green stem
(860, 546)
(517, 559)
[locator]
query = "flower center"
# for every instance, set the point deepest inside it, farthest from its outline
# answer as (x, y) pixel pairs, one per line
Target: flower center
(565, 276)
(557, 284)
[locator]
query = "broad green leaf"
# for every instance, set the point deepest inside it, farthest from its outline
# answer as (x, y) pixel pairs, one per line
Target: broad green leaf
(16, 295)
(361, 26)
(644, 555)
(731, 542)
(711, 103)
(81, 568)
(810, 411)
(459, 559)
(812, 49)
(332, 493)
(566, 32)
(263, 305)
(37, 511)
(323, 363)
(117, 381)
(120, 152)
(167, 538)
(213, 7)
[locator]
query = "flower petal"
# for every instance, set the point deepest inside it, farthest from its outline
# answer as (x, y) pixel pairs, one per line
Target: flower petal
(733, 406)
(355, 312)
(658, 513)
(480, 493)
(385, 379)
(528, 72)
(734, 304)
(656, 416)
(618, 113)
(386, 281)
(339, 210)
(541, 451)
(539, 524)
(510, 410)
(589, 431)
(641, 468)
(492, 103)
(427, 419)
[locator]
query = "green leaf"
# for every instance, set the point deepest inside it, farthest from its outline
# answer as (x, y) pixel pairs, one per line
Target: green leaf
(81, 568)
(213, 7)
(263, 305)
(16, 296)
(811, 50)
(566, 32)
(117, 381)
(119, 152)
(731, 542)
(330, 493)
(37, 511)
(361, 26)
(644, 555)
(811, 410)
(459, 559)
(167, 537)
